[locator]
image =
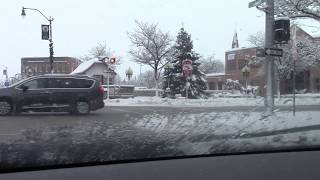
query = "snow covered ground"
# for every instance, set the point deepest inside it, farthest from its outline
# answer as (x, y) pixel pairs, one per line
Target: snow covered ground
(211, 102)
(215, 132)
(163, 135)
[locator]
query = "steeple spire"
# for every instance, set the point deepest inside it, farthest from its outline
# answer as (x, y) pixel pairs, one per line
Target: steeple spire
(235, 41)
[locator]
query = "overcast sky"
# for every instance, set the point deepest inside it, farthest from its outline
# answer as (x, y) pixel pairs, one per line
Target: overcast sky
(79, 25)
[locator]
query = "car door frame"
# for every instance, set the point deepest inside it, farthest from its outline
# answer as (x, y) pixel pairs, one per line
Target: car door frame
(30, 98)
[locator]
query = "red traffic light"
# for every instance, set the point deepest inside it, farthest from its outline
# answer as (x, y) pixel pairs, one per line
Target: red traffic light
(112, 60)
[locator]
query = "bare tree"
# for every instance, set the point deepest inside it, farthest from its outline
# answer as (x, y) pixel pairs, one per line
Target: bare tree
(211, 65)
(257, 39)
(298, 9)
(152, 47)
(100, 51)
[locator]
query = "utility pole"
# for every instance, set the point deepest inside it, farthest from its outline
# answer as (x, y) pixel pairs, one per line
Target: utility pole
(269, 61)
(50, 19)
(294, 49)
(51, 45)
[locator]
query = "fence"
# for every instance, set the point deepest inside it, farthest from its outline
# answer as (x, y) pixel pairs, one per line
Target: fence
(147, 92)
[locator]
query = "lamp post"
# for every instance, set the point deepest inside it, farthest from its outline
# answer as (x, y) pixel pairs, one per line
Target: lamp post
(50, 19)
(168, 67)
(246, 73)
(129, 73)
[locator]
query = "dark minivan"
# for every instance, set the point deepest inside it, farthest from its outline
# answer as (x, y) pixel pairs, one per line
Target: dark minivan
(57, 93)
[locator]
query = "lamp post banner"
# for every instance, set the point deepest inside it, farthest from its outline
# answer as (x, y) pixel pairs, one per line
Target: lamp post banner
(45, 32)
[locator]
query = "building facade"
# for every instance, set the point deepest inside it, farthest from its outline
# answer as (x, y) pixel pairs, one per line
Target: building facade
(33, 66)
(307, 80)
(235, 61)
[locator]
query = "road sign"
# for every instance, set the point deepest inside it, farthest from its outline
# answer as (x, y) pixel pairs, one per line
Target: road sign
(260, 53)
(256, 3)
(187, 67)
(274, 52)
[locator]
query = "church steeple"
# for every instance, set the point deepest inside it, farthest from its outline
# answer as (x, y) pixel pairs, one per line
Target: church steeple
(235, 41)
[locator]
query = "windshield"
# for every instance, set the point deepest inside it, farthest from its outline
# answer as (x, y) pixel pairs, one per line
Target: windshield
(171, 79)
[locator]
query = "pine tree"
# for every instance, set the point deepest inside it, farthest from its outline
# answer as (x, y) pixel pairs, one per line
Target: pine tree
(184, 50)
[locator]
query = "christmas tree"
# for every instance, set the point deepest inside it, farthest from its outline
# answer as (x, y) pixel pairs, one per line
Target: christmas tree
(174, 78)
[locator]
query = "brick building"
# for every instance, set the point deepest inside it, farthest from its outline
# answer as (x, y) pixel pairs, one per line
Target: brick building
(236, 58)
(32, 66)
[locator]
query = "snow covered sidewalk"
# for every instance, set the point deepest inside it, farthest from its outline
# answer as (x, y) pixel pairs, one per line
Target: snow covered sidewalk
(214, 132)
(211, 102)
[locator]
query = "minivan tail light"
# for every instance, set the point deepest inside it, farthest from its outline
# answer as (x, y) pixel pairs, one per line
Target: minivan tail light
(101, 89)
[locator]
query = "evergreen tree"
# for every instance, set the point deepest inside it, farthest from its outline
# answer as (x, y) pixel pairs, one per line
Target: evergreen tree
(184, 50)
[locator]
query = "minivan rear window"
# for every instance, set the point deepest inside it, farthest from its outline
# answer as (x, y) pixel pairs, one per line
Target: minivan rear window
(70, 83)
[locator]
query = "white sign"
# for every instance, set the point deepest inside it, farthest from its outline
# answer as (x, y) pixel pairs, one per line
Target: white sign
(231, 57)
(274, 52)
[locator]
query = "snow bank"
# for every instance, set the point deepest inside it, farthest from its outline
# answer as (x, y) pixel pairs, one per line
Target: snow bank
(211, 102)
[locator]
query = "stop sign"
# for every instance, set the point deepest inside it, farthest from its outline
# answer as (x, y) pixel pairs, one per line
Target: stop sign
(187, 67)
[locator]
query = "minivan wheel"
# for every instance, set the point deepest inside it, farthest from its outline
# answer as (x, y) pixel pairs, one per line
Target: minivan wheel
(82, 107)
(5, 107)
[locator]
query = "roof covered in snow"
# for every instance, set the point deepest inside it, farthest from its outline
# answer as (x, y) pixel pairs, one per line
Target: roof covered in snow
(242, 48)
(84, 66)
(310, 26)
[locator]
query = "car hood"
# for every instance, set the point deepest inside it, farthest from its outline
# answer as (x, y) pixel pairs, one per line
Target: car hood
(5, 91)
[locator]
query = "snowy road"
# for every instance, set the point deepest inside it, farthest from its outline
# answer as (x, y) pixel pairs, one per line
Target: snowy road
(115, 133)
(13, 125)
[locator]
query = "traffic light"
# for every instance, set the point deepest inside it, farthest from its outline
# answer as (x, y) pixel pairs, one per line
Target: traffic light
(281, 31)
(45, 32)
(112, 60)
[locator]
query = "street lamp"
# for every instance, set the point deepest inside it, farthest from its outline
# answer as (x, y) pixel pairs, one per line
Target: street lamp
(246, 73)
(50, 19)
(129, 73)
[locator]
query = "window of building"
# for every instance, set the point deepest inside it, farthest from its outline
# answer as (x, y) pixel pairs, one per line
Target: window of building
(231, 65)
(231, 57)
(242, 63)
(212, 86)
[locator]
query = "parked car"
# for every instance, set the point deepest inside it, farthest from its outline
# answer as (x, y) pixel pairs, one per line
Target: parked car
(72, 93)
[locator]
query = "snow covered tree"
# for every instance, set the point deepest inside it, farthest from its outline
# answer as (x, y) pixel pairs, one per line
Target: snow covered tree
(211, 65)
(257, 40)
(298, 9)
(183, 49)
(151, 47)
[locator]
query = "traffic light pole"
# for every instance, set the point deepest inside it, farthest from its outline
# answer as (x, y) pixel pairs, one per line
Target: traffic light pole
(294, 49)
(269, 61)
(51, 45)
